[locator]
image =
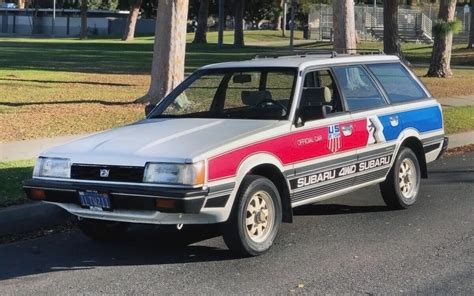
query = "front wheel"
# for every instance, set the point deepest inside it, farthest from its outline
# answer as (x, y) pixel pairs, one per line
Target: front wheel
(400, 189)
(255, 218)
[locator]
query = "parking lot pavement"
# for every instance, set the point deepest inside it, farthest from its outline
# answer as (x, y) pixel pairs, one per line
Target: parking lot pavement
(351, 244)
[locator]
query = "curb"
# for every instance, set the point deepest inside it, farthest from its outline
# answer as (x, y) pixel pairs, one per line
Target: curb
(30, 217)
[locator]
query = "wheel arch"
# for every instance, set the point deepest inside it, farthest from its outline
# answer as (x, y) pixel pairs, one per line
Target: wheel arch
(269, 166)
(416, 146)
(278, 179)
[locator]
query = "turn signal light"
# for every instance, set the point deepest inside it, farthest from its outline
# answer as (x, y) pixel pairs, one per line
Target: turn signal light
(165, 203)
(38, 194)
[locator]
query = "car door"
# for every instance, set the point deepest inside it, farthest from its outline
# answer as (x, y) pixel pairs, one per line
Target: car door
(325, 146)
(366, 103)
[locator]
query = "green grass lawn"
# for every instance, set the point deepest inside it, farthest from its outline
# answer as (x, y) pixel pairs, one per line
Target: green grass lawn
(12, 174)
(458, 119)
(52, 87)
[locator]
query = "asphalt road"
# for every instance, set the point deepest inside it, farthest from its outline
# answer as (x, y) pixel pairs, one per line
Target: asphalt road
(350, 245)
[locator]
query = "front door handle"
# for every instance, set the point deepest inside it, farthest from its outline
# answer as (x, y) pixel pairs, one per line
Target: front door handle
(347, 129)
(394, 120)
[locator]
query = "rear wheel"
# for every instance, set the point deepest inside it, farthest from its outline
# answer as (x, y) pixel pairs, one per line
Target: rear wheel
(400, 189)
(255, 218)
(102, 230)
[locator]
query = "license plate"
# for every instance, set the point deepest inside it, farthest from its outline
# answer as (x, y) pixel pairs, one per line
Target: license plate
(95, 200)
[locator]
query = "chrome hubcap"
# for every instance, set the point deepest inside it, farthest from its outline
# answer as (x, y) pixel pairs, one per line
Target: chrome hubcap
(407, 178)
(259, 216)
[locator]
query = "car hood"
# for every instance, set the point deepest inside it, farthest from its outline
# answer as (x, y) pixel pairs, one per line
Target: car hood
(175, 140)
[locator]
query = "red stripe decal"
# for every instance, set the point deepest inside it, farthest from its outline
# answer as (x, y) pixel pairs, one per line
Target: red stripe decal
(290, 148)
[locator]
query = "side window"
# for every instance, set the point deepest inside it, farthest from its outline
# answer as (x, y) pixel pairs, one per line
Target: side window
(397, 82)
(359, 91)
(319, 89)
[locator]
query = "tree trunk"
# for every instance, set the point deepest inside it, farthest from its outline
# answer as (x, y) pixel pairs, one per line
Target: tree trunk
(21, 4)
(471, 27)
(129, 32)
(239, 23)
(83, 34)
(169, 50)
(391, 43)
(345, 39)
(440, 65)
(279, 18)
(201, 31)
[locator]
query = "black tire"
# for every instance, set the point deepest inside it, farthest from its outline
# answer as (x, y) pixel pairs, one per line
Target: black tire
(239, 236)
(394, 196)
(102, 230)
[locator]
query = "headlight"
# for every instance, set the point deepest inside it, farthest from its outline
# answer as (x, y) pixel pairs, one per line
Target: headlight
(52, 167)
(174, 173)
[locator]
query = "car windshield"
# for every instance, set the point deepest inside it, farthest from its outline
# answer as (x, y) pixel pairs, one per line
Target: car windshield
(257, 93)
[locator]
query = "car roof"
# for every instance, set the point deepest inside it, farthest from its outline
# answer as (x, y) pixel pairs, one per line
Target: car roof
(304, 61)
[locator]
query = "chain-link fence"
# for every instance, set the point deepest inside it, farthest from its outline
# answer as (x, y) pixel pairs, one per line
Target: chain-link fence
(414, 24)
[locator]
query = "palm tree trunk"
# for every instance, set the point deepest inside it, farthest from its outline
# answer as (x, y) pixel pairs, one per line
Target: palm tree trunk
(129, 33)
(440, 65)
(201, 31)
(169, 50)
(391, 43)
(239, 23)
(84, 8)
(345, 38)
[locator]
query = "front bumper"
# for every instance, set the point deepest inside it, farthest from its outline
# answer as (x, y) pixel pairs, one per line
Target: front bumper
(123, 197)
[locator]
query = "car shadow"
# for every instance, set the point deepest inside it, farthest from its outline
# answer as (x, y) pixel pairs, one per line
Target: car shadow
(142, 245)
(336, 209)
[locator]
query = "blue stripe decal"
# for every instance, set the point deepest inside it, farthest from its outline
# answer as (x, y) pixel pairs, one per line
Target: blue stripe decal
(423, 120)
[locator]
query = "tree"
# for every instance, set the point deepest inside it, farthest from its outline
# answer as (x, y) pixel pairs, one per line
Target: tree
(345, 39)
(201, 31)
(279, 16)
(169, 49)
(239, 8)
(129, 32)
(258, 10)
(440, 65)
(391, 43)
(84, 8)
(471, 30)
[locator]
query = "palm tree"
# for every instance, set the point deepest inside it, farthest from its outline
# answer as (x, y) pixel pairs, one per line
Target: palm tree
(440, 65)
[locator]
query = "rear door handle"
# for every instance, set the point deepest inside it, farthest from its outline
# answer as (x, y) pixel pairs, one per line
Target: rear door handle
(394, 120)
(347, 129)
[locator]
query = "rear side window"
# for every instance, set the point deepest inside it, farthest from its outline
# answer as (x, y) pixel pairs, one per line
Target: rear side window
(397, 82)
(359, 90)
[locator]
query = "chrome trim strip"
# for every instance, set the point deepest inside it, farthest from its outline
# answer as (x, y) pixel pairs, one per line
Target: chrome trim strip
(157, 196)
(52, 189)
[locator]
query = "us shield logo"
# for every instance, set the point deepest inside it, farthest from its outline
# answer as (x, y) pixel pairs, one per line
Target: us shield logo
(334, 138)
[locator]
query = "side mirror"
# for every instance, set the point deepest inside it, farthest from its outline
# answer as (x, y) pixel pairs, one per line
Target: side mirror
(148, 109)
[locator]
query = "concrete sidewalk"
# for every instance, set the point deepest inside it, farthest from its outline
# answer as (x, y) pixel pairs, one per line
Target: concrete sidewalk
(19, 150)
(457, 101)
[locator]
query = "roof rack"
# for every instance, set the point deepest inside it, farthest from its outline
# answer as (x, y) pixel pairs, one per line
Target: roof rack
(301, 53)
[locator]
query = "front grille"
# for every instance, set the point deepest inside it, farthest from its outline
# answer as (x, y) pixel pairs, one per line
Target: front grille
(115, 173)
